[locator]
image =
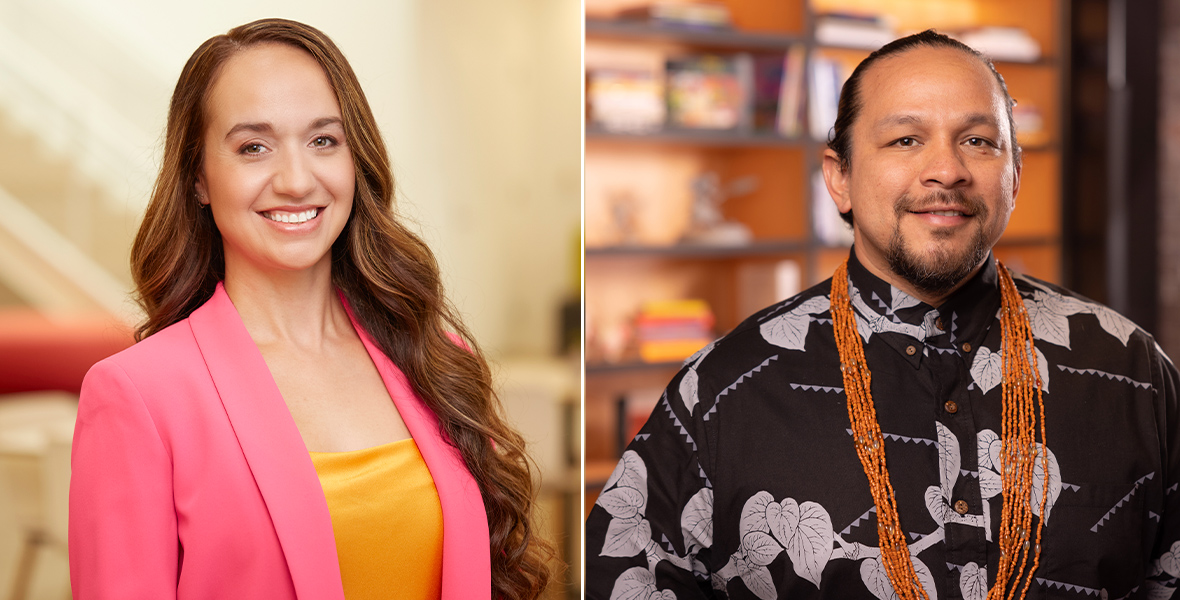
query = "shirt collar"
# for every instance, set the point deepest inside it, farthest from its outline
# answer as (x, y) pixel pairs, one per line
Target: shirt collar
(901, 320)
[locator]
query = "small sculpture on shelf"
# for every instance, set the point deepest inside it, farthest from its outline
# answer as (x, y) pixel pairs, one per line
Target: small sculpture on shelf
(708, 225)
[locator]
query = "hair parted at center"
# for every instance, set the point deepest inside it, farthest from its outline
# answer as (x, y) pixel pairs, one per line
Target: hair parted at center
(840, 139)
(388, 275)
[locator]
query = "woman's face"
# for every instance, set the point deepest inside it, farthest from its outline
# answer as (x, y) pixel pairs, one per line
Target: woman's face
(277, 172)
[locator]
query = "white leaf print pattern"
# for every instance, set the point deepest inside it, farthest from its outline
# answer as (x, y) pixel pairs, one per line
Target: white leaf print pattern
(637, 583)
(1114, 324)
(973, 582)
(757, 578)
(1047, 324)
(688, 389)
(626, 537)
(986, 369)
(754, 513)
(872, 572)
(1170, 561)
(690, 382)
(805, 530)
(760, 548)
(988, 447)
(1039, 482)
(936, 503)
(811, 545)
(900, 300)
(632, 473)
(622, 502)
(1043, 369)
(789, 330)
(696, 522)
(948, 459)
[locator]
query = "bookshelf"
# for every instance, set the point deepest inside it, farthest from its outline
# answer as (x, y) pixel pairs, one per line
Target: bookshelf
(640, 183)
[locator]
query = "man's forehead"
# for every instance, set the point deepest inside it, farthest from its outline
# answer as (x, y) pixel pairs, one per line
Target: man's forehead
(925, 83)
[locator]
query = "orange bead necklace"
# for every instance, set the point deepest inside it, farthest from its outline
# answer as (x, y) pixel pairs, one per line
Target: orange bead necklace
(1020, 415)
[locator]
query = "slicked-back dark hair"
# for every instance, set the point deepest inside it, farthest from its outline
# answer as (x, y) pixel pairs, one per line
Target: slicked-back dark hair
(840, 138)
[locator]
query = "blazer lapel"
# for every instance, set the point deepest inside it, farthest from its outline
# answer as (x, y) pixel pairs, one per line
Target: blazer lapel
(272, 446)
(466, 573)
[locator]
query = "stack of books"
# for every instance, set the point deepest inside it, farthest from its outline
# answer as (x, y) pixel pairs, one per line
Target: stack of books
(672, 330)
(688, 15)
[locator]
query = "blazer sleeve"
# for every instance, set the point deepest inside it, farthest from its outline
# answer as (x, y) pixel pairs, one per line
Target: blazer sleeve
(123, 539)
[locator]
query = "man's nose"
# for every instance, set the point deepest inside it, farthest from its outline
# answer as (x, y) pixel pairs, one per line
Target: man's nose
(945, 166)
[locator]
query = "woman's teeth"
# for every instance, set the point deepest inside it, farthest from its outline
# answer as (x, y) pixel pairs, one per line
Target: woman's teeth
(287, 217)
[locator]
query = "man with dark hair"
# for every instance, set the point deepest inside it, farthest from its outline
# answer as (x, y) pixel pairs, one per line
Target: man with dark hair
(925, 424)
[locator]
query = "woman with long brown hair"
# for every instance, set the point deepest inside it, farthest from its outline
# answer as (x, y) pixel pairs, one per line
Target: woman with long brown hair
(304, 414)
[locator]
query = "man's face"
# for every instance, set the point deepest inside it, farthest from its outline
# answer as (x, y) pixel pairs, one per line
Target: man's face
(932, 181)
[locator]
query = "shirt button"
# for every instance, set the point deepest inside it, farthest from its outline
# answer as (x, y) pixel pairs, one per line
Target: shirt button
(961, 507)
(938, 324)
(911, 350)
(966, 347)
(951, 407)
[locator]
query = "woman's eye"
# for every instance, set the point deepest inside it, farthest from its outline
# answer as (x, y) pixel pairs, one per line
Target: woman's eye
(253, 149)
(906, 142)
(323, 141)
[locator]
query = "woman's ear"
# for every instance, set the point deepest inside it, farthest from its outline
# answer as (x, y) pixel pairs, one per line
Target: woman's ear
(200, 191)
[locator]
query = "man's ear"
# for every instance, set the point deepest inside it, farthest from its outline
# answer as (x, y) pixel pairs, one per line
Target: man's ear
(836, 179)
(1016, 183)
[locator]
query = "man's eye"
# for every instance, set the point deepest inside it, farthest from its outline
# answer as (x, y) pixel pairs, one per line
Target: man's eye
(906, 142)
(978, 142)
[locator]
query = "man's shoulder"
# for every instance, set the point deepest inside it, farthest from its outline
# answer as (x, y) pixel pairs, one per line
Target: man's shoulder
(1064, 318)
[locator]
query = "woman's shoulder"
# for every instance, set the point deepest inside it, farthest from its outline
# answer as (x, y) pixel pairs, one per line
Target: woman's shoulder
(156, 355)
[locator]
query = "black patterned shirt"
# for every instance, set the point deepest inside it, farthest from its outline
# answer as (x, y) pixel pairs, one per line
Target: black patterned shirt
(745, 483)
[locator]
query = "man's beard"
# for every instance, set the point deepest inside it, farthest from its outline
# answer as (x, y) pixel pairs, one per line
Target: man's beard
(939, 271)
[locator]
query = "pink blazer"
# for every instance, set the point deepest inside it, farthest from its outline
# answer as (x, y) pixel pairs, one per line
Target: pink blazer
(190, 479)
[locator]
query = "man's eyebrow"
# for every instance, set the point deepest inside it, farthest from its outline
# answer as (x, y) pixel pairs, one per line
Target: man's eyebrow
(265, 127)
(970, 120)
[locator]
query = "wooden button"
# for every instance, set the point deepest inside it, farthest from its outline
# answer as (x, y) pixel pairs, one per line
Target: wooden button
(911, 350)
(951, 407)
(961, 507)
(966, 346)
(938, 324)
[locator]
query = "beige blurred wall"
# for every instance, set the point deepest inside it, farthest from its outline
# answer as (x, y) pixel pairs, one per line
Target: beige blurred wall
(479, 104)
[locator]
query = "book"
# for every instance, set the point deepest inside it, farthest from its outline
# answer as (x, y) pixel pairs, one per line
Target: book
(789, 121)
(625, 100)
(708, 91)
(1011, 44)
(671, 330)
(867, 32)
(827, 78)
(691, 15)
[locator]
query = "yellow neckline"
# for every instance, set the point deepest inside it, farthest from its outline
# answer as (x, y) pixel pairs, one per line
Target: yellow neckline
(372, 449)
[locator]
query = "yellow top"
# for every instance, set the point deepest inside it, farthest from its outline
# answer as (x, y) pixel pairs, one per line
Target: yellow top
(387, 520)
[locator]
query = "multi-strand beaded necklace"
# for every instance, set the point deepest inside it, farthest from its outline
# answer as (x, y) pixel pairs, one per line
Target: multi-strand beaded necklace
(1021, 417)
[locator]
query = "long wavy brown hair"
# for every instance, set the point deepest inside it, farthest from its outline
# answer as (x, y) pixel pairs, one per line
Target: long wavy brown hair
(388, 275)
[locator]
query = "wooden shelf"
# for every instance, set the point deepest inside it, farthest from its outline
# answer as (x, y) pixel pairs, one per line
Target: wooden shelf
(721, 38)
(698, 250)
(629, 367)
(698, 137)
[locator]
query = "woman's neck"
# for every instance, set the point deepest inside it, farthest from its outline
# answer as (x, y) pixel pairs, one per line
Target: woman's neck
(295, 308)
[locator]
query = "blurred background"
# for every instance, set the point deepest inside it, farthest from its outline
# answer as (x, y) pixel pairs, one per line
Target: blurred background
(479, 105)
(705, 127)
